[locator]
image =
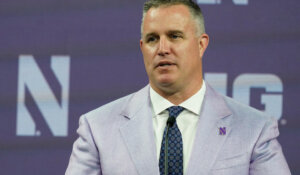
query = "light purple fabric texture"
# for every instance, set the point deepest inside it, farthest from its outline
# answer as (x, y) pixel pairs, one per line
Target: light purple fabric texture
(118, 138)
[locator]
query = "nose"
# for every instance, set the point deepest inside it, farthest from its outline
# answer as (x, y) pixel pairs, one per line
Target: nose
(164, 47)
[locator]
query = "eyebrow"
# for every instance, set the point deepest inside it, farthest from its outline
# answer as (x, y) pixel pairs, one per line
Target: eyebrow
(175, 31)
(169, 32)
(150, 34)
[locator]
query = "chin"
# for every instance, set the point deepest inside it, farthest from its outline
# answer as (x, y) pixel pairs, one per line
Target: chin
(165, 81)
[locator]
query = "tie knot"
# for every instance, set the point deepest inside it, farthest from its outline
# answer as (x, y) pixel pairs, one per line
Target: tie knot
(174, 111)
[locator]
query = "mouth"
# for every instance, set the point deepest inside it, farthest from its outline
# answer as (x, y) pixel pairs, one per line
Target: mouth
(165, 64)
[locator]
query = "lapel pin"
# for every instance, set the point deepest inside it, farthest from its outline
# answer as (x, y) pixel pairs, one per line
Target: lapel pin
(222, 131)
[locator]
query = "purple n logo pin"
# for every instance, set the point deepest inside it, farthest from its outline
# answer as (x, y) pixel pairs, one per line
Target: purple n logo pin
(222, 131)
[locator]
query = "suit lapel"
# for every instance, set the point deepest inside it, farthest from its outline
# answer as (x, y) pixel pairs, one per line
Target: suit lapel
(208, 140)
(138, 133)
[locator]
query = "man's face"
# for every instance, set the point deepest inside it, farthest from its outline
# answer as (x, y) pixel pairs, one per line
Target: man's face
(172, 50)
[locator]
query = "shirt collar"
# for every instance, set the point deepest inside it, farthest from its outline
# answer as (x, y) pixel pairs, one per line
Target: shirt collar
(159, 103)
(192, 104)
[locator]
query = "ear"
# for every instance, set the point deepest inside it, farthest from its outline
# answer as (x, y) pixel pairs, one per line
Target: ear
(141, 44)
(203, 43)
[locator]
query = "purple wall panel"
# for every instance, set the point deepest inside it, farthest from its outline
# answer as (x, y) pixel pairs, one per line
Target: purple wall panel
(102, 40)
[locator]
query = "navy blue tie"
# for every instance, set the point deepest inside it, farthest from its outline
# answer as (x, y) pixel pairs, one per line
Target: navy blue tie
(175, 149)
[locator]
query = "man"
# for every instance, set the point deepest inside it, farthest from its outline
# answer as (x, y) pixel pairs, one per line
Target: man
(214, 134)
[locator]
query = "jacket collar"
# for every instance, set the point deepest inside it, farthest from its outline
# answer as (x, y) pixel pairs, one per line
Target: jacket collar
(208, 140)
(139, 136)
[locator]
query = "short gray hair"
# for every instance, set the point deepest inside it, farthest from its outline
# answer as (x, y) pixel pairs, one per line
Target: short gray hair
(194, 9)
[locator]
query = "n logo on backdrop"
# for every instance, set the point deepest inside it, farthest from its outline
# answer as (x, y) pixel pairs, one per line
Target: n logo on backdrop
(32, 84)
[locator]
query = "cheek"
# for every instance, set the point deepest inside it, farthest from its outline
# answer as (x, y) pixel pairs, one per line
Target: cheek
(149, 55)
(188, 52)
(193, 52)
(147, 62)
(190, 57)
(145, 53)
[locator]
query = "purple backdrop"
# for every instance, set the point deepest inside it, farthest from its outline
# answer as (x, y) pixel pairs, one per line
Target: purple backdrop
(98, 44)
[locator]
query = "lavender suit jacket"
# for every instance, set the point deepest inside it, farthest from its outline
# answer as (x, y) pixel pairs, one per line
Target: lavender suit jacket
(118, 138)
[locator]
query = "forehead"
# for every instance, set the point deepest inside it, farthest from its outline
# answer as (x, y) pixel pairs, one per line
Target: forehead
(164, 18)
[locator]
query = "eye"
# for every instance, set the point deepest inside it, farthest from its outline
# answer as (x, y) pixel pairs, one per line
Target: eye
(175, 36)
(151, 39)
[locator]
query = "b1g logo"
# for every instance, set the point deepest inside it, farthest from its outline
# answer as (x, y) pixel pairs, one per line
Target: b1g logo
(49, 111)
(271, 84)
(236, 2)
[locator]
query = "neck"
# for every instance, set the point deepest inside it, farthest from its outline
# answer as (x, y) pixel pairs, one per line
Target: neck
(177, 96)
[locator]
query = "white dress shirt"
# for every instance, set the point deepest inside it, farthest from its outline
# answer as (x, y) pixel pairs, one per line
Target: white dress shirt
(186, 121)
